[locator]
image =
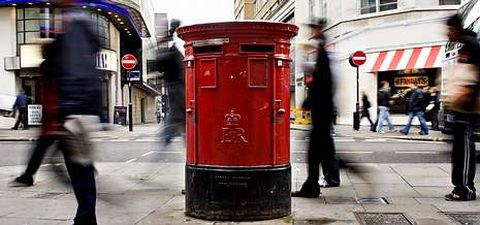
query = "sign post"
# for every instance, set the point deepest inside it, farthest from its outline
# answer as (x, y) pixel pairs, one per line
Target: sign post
(128, 63)
(357, 59)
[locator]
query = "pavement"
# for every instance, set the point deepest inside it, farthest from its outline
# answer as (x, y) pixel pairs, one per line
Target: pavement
(133, 192)
(149, 193)
(364, 132)
(150, 131)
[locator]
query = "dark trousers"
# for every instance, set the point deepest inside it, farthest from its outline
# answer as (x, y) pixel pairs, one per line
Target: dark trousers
(83, 183)
(82, 176)
(22, 118)
(434, 119)
(367, 115)
(322, 150)
(463, 158)
(38, 153)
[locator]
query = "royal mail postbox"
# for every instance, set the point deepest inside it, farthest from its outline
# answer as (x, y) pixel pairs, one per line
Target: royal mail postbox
(238, 122)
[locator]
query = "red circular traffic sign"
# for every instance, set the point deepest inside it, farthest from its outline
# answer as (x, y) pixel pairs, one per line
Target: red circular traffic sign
(358, 58)
(129, 61)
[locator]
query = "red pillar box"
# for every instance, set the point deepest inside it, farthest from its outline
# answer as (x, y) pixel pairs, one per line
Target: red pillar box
(238, 98)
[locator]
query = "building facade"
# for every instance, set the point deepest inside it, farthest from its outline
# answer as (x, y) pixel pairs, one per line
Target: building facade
(404, 41)
(122, 27)
(285, 11)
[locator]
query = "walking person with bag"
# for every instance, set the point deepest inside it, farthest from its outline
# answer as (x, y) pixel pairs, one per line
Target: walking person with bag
(20, 105)
(463, 100)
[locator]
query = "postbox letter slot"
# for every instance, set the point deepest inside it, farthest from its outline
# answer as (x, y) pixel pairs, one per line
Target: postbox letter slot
(257, 48)
(208, 49)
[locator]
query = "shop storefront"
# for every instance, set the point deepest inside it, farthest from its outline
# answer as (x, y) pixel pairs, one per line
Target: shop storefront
(403, 67)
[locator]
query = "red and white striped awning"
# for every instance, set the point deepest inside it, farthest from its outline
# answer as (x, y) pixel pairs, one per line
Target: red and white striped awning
(402, 59)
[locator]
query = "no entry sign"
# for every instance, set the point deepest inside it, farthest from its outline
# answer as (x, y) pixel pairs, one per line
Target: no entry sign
(129, 61)
(358, 58)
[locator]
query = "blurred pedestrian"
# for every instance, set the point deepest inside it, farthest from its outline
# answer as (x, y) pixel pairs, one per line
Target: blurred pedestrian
(75, 102)
(384, 101)
(50, 122)
(20, 105)
(366, 105)
(464, 104)
(416, 108)
(320, 101)
(433, 108)
(171, 63)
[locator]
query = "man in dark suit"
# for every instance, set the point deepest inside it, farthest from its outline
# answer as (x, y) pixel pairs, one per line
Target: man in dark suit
(320, 102)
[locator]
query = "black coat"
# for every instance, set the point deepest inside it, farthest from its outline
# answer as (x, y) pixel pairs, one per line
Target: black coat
(320, 93)
(72, 56)
(417, 100)
(383, 97)
(171, 63)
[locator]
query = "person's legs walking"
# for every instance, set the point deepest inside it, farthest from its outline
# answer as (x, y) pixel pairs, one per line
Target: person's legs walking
(381, 118)
(406, 129)
(388, 117)
(330, 167)
(23, 117)
(38, 153)
(310, 187)
(17, 122)
(435, 121)
(462, 159)
(423, 122)
(83, 182)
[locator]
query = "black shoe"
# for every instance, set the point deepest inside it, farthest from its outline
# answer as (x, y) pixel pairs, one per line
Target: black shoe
(14, 128)
(403, 132)
(422, 133)
(460, 197)
(22, 181)
(308, 190)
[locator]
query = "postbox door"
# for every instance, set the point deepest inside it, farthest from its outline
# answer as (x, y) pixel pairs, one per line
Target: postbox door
(281, 112)
(234, 104)
(190, 112)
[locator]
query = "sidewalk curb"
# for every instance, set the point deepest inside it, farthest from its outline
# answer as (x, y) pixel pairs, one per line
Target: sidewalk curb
(18, 139)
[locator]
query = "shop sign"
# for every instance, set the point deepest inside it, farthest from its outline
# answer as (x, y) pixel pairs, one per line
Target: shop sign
(134, 75)
(34, 114)
(30, 56)
(419, 81)
(107, 60)
(120, 115)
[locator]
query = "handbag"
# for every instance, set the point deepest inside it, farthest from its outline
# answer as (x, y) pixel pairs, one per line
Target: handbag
(461, 94)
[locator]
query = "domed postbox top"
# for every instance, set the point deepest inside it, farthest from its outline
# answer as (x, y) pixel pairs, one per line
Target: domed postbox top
(237, 28)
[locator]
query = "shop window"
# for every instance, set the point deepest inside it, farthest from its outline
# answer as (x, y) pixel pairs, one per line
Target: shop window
(373, 6)
(35, 23)
(450, 2)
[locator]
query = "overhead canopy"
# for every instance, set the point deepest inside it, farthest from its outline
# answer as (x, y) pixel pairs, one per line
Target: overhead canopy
(402, 59)
(130, 10)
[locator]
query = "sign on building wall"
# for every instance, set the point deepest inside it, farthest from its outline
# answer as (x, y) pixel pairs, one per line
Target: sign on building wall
(34, 114)
(31, 56)
(419, 81)
(107, 60)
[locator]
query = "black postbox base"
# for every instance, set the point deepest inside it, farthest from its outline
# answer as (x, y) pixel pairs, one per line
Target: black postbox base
(237, 194)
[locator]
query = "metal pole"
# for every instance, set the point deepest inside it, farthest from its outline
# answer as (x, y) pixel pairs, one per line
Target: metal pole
(130, 110)
(356, 114)
(358, 97)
